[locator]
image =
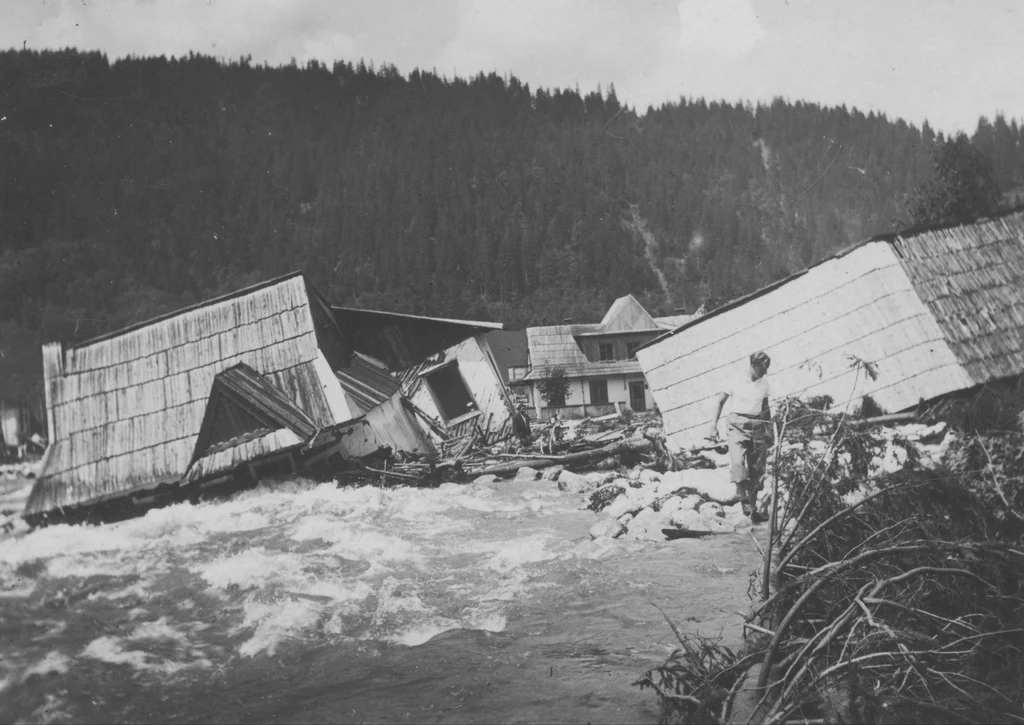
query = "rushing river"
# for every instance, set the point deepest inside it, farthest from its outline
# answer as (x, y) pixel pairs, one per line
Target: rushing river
(303, 602)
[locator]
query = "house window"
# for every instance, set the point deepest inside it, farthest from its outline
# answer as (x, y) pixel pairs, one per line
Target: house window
(606, 351)
(631, 350)
(450, 392)
(598, 391)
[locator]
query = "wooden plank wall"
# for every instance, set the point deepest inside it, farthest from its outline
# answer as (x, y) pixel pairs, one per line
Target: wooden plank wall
(482, 380)
(126, 410)
(861, 305)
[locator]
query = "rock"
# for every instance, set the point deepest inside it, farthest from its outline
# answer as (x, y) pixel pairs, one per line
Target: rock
(711, 508)
(648, 477)
(647, 525)
(621, 505)
(691, 502)
(607, 464)
(572, 482)
(670, 506)
(602, 497)
(689, 519)
(551, 473)
(527, 474)
(671, 486)
(486, 478)
(642, 497)
(625, 519)
(711, 484)
(718, 526)
(610, 527)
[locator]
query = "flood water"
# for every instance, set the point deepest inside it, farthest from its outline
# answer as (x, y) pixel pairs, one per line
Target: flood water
(304, 602)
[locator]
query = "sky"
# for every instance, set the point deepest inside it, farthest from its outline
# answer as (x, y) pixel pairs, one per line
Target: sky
(945, 61)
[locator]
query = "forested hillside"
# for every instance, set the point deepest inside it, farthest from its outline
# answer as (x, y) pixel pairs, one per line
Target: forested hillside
(135, 187)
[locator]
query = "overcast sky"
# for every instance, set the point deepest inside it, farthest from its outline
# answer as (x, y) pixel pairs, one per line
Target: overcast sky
(947, 61)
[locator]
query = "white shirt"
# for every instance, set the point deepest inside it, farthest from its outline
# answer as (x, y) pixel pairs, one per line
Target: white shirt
(747, 396)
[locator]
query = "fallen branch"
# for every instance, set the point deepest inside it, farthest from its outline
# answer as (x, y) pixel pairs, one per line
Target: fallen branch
(630, 445)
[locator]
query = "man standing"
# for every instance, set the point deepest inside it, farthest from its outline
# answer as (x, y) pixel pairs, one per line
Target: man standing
(749, 432)
(521, 425)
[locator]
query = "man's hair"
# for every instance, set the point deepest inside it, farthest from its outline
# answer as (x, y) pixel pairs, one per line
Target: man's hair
(760, 359)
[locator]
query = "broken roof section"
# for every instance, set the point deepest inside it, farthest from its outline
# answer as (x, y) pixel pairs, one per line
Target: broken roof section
(125, 411)
(246, 417)
(931, 311)
(401, 340)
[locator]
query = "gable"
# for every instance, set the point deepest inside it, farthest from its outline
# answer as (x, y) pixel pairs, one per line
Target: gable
(243, 405)
(627, 315)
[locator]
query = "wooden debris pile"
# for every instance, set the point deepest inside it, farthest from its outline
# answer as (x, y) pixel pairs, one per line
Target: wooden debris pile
(885, 596)
(596, 443)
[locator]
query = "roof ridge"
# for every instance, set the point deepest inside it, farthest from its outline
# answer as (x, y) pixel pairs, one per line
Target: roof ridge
(181, 311)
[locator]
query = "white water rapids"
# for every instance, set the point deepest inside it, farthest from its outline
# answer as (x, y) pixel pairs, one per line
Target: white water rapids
(304, 602)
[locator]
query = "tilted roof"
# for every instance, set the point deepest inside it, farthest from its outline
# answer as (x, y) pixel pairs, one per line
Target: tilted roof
(127, 407)
(246, 418)
(402, 340)
(900, 318)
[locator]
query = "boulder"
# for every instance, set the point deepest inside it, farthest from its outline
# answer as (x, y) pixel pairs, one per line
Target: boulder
(551, 473)
(647, 525)
(689, 519)
(527, 474)
(621, 505)
(572, 482)
(600, 478)
(486, 478)
(602, 497)
(670, 505)
(711, 508)
(718, 526)
(691, 502)
(609, 527)
(642, 497)
(712, 484)
(648, 477)
(672, 486)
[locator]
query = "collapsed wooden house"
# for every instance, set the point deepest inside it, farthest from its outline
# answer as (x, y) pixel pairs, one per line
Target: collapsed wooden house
(257, 381)
(898, 318)
(446, 369)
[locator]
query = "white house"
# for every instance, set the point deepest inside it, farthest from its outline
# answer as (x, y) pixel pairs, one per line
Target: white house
(598, 359)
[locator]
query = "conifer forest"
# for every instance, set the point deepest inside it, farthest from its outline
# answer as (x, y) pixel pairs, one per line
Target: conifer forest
(135, 187)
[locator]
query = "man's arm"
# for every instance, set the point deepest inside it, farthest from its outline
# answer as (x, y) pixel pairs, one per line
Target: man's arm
(716, 413)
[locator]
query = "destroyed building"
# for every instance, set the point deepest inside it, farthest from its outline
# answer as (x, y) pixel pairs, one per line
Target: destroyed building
(896, 319)
(256, 381)
(446, 368)
(598, 360)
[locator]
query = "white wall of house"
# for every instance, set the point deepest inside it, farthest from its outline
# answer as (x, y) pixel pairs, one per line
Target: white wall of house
(858, 307)
(580, 395)
(480, 374)
(618, 390)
